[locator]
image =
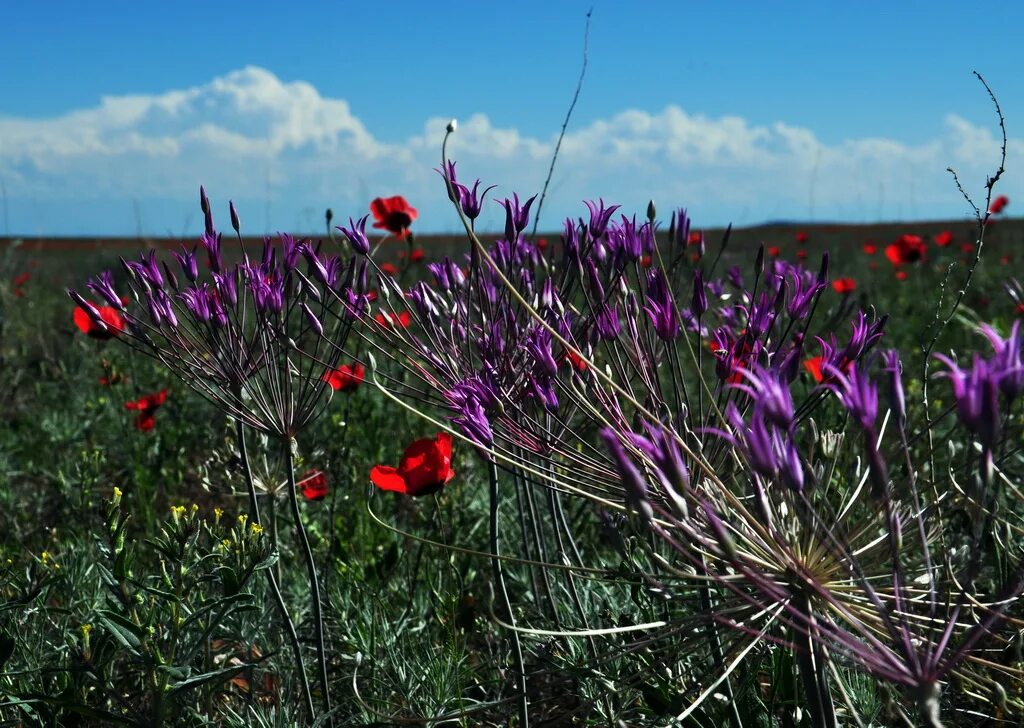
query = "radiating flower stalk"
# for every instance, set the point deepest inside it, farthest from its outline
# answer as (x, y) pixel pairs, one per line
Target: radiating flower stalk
(249, 336)
(581, 374)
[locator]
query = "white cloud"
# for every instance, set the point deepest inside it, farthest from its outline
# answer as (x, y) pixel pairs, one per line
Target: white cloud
(266, 143)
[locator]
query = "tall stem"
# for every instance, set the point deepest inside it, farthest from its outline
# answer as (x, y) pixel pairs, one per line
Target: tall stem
(254, 514)
(499, 584)
(314, 583)
(811, 663)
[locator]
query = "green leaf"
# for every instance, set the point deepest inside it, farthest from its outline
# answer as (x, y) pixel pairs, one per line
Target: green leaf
(195, 681)
(123, 630)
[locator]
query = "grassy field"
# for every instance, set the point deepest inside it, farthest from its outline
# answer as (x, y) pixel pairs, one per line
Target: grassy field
(134, 585)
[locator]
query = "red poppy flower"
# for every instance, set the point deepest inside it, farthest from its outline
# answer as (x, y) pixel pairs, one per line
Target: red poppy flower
(1019, 308)
(873, 265)
(1005, 260)
(999, 204)
(813, 365)
(967, 247)
(901, 275)
(542, 243)
(695, 238)
(393, 214)
(21, 279)
(110, 316)
(775, 251)
(425, 468)
(801, 237)
(345, 378)
(801, 255)
(907, 249)
(870, 248)
(388, 269)
(371, 296)
(313, 485)
(695, 258)
(389, 320)
(645, 261)
(416, 255)
(944, 238)
(147, 407)
(844, 285)
(575, 360)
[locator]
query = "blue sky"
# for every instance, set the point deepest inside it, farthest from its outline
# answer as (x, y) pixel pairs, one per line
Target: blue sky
(743, 113)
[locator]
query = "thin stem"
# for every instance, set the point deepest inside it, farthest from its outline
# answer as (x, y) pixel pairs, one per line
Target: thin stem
(254, 513)
(499, 584)
(314, 582)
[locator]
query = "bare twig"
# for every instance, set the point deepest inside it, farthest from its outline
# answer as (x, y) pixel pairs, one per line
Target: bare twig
(565, 124)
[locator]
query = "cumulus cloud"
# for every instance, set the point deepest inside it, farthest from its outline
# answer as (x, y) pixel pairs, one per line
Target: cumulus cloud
(284, 150)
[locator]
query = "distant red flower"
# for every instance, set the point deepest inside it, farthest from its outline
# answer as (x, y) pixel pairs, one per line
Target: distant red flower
(695, 238)
(21, 279)
(870, 248)
(389, 320)
(801, 254)
(416, 255)
(873, 265)
(425, 468)
(695, 258)
(109, 315)
(575, 360)
(147, 407)
(775, 251)
(313, 485)
(801, 237)
(999, 204)
(393, 214)
(1019, 308)
(371, 296)
(813, 365)
(1005, 260)
(542, 243)
(907, 249)
(901, 275)
(967, 247)
(345, 378)
(645, 261)
(388, 269)
(844, 285)
(944, 238)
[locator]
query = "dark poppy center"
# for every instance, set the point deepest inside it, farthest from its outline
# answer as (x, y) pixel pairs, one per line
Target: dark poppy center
(398, 221)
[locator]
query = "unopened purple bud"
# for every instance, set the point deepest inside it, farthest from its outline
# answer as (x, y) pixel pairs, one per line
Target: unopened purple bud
(700, 298)
(356, 235)
(633, 483)
(823, 270)
(312, 319)
(234, 217)
(897, 400)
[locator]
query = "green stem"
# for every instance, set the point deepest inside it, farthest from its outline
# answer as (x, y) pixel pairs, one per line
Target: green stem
(254, 513)
(499, 584)
(314, 582)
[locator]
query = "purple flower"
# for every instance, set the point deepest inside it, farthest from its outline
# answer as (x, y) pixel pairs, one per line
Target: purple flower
(897, 400)
(1007, 359)
(660, 306)
(599, 218)
(857, 392)
(769, 391)
(103, 286)
(517, 216)
(187, 260)
(356, 234)
(700, 299)
(977, 398)
(633, 482)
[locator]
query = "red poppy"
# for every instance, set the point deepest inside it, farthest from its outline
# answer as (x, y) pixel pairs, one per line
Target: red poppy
(999, 204)
(801, 237)
(695, 238)
(870, 248)
(393, 214)
(416, 255)
(21, 279)
(109, 315)
(575, 360)
(313, 485)
(813, 365)
(1005, 260)
(944, 238)
(775, 251)
(388, 269)
(542, 243)
(371, 296)
(907, 249)
(425, 468)
(147, 407)
(645, 261)
(695, 258)
(801, 255)
(1019, 308)
(388, 320)
(844, 285)
(967, 247)
(901, 275)
(345, 378)
(873, 265)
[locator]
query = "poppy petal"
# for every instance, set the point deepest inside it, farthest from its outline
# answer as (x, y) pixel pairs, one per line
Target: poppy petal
(386, 477)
